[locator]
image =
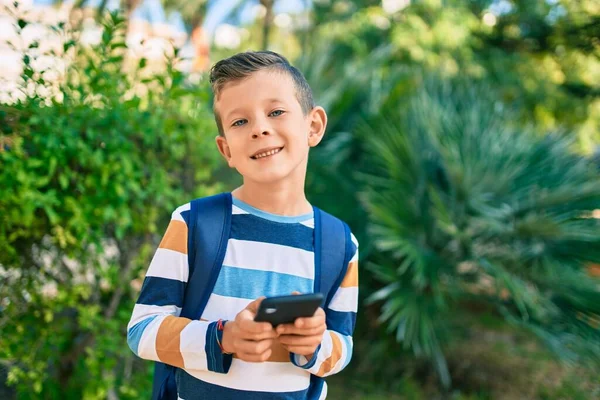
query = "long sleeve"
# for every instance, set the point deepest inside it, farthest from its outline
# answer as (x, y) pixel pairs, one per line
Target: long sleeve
(156, 331)
(335, 350)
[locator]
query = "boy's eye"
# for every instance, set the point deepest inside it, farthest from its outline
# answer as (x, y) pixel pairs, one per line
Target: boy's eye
(276, 113)
(239, 122)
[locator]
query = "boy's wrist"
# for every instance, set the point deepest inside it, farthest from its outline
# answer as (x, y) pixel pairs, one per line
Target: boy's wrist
(227, 344)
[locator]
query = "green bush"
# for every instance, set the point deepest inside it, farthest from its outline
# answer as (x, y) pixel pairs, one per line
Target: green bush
(470, 213)
(91, 167)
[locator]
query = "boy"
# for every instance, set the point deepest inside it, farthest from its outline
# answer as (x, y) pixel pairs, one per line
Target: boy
(267, 122)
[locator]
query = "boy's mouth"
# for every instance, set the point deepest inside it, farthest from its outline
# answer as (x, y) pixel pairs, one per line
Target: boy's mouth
(263, 153)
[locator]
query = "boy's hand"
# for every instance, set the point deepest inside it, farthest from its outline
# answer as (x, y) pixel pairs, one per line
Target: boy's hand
(304, 335)
(250, 341)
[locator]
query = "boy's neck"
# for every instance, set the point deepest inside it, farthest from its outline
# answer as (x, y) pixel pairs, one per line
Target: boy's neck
(275, 199)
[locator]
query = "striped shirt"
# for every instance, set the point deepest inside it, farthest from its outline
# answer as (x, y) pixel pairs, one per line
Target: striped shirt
(267, 255)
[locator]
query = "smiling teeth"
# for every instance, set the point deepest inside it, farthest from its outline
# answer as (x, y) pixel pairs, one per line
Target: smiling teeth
(267, 153)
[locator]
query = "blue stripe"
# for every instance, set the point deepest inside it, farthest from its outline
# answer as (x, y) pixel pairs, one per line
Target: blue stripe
(134, 335)
(251, 284)
(294, 359)
(317, 254)
(209, 347)
(342, 322)
(190, 388)
(215, 359)
(272, 217)
(161, 292)
(252, 228)
(348, 351)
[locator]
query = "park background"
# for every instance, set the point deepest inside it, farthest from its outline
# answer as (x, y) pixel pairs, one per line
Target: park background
(462, 148)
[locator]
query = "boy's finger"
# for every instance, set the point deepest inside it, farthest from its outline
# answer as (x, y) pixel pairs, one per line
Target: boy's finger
(254, 357)
(254, 347)
(298, 340)
(249, 326)
(310, 322)
(293, 330)
(253, 306)
(270, 334)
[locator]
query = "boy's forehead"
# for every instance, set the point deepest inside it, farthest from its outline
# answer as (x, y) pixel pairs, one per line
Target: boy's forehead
(260, 86)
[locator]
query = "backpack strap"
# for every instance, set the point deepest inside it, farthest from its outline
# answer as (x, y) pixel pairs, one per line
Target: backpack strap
(208, 233)
(333, 247)
(210, 224)
(333, 251)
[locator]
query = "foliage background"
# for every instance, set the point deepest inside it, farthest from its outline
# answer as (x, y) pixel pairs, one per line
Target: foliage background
(446, 121)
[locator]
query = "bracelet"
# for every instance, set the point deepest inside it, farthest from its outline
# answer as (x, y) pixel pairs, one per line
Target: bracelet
(219, 334)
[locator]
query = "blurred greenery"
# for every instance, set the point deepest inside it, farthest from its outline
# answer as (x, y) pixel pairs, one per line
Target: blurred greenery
(467, 209)
(458, 149)
(91, 170)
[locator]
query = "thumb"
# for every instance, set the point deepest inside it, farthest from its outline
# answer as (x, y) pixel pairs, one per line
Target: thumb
(253, 306)
(295, 292)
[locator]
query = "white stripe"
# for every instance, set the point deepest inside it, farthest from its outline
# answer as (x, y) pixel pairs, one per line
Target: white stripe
(236, 210)
(263, 377)
(300, 359)
(193, 339)
(354, 240)
(309, 222)
(270, 257)
(323, 395)
(177, 213)
(147, 346)
(169, 264)
(141, 311)
(355, 257)
(223, 307)
(345, 299)
(324, 352)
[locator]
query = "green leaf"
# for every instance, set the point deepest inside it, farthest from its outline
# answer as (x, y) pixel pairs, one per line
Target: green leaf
(63, 180)
(68, 44)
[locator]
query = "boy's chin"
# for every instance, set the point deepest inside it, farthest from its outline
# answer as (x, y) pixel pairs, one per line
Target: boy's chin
(267, 177)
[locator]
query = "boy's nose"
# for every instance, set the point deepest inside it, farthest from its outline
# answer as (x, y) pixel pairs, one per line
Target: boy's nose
(260, 130)
(263, 133)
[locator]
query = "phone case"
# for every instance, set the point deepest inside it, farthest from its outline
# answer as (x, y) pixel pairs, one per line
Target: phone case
(285, 309)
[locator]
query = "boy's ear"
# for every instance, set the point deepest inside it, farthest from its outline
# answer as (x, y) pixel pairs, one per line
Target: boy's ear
(318, 123)
(224, 149)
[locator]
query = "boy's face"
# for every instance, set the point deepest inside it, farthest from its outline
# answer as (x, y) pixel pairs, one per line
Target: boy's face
(266, 134)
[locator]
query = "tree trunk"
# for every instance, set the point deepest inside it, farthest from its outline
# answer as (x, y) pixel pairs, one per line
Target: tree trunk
(268, 22)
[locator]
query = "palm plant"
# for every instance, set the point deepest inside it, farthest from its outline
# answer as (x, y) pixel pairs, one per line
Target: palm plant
(465, 209)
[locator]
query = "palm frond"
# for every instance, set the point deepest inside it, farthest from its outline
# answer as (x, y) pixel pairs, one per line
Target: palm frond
(466, 206)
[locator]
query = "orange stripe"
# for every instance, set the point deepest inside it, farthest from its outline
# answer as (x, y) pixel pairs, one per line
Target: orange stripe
(336, 354)
(168, 340)
(351, 278)
(175, 237)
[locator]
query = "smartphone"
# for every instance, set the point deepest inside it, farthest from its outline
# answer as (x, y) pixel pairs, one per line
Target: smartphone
(285, 309)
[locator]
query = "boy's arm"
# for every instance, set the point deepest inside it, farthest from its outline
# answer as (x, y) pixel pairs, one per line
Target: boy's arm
(156, 331)
(335, 350)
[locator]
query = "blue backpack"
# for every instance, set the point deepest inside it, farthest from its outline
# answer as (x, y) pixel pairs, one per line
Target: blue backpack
(210, 223)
